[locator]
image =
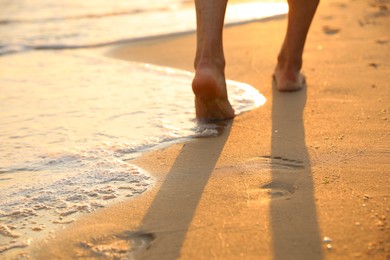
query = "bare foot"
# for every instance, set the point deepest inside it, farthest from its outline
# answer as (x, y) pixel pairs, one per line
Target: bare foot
(288, 80)
(211, 100)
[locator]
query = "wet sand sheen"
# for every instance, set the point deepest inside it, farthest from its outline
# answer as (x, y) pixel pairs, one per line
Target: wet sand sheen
(100, 129)
(271, 170)
(71, 109)
(268, 171)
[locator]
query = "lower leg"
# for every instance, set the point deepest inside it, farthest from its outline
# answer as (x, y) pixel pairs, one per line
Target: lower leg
(209, 86)
(288, 75)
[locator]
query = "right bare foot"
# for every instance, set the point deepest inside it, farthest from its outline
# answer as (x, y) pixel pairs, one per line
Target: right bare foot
(288, 80)
(211, 99)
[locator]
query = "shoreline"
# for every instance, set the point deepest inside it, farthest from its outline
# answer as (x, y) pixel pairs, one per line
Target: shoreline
(267, 187)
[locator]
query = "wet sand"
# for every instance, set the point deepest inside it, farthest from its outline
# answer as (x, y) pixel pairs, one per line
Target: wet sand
(303, 177)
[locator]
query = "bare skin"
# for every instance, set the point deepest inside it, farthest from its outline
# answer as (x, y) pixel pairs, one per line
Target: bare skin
(287, 75)
(209, 86)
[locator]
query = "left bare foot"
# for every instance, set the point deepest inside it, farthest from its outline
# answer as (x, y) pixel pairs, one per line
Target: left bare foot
(211, 100)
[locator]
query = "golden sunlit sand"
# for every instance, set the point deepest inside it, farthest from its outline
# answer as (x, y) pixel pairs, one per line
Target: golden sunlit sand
(303, 177)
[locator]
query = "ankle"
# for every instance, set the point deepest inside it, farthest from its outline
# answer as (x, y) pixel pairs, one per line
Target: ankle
(210, 61)
(286, 63)
(214, 65)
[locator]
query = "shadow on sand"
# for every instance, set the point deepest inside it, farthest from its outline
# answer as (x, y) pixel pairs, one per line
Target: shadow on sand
(294, 226)
(177, 199)
(295, 230)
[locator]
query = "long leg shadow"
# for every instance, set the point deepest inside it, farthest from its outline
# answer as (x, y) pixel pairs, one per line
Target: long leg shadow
(167, 220)
(295, 230)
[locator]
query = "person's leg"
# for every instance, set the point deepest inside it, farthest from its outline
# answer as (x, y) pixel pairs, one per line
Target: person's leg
(208, 85)
(287, 74)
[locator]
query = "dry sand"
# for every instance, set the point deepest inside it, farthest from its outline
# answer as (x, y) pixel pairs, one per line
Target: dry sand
(306, 176)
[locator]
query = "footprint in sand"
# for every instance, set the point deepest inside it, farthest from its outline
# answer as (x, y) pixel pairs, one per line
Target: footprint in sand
(280, 189)
(127, 245)
(330, 30)
(382, 41)
(278, 162)
(283, 184)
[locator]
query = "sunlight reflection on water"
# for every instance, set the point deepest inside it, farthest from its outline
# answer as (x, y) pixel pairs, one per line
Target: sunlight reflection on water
(74, 24)
(71, 121)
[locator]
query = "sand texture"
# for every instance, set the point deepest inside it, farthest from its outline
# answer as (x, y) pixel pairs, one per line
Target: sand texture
(305, 176)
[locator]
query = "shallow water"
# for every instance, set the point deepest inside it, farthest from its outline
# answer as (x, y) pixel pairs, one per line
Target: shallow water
(71, 121)
(44, 24)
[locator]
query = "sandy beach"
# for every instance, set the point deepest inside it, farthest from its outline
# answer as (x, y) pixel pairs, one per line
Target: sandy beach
(305, 176)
